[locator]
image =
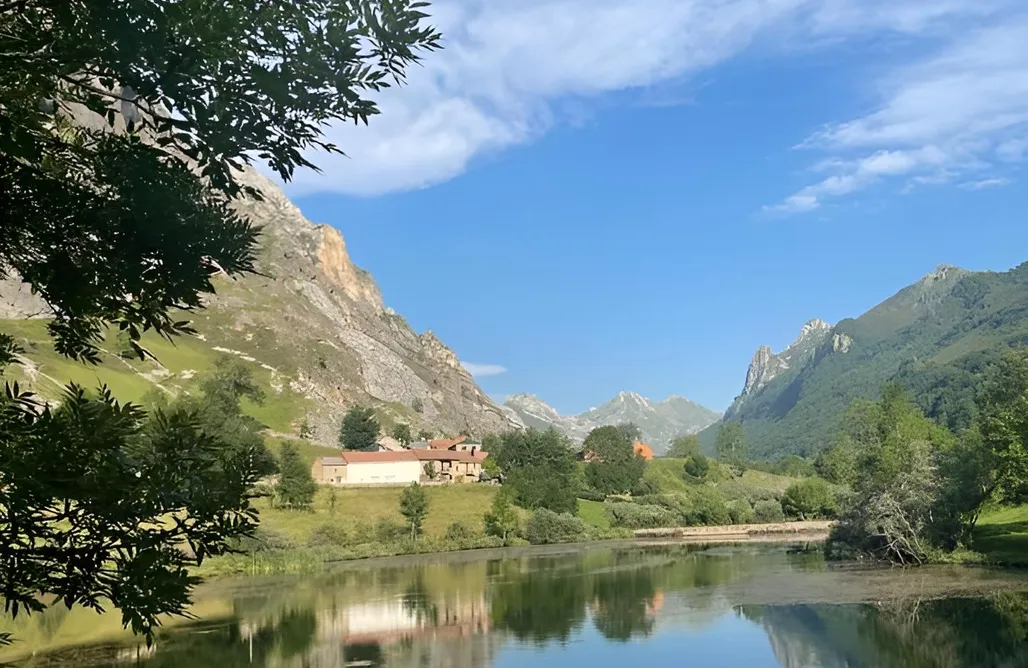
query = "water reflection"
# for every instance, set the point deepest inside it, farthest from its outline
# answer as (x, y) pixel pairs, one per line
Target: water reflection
(794, 611)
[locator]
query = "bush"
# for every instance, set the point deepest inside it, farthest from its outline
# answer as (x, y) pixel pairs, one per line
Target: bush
(741, 512)
(643, 488)
(265, 540)
(546, 526)
(460, 532)
(388, 532)
(591, 495)
(328, 534)
(810, 499)
(708, 508)
(697, 466)
(640, 516)
(768, 511)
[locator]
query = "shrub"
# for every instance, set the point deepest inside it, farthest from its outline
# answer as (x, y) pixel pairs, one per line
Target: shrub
(640, 516)
(328, 534)
(697, 466)
(502, 520)
(741, 512)
(388, 532)
(768, 511)
(265, 540)
(810, 499)
(459, 532)
(591, 495)
(643, 488)
(546, 526)
(708, 507)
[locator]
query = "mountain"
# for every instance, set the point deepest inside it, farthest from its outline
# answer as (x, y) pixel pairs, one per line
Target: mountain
(935, 337)
(660, 421)
(312, 324)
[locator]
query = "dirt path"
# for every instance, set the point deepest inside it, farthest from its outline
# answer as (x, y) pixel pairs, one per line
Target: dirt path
(821, 527)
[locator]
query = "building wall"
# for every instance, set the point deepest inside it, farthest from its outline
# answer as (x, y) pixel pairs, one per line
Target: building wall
(383, 473)
(328, 475)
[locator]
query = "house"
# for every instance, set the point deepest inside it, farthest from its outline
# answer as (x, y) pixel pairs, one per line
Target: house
(367, 468)
(639, 448)
(452, 465)
(446, 443)
(398, 468)
(643, 450)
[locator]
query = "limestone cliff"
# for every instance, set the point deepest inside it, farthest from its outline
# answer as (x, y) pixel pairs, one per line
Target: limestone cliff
(317, 324)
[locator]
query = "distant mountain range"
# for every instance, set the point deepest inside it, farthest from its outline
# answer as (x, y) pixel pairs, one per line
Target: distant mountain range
(934, 337)
(660, 421)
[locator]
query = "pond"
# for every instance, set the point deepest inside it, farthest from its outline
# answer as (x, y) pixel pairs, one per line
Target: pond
(751, 605)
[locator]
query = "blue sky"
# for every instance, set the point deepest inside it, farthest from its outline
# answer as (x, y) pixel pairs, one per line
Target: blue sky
(602, 195)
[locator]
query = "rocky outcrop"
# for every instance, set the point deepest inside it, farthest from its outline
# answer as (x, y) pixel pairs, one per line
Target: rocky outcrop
(766, 365)
(659, 421)
(318, 324)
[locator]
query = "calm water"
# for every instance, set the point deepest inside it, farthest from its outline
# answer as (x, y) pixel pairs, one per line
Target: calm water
(752, 606)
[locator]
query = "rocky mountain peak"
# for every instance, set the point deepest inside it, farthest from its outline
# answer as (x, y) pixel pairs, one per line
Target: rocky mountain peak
(763, 367)
(334, 262)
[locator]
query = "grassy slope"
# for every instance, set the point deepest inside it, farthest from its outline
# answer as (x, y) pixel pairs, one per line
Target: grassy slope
(1002, 535)
(132, 380)
(447, 504)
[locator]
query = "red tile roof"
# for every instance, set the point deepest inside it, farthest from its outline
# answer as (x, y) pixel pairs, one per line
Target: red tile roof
(450, 455)
(446, 443)
(375, 457)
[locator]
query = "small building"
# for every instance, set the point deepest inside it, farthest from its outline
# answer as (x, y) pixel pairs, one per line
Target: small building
(643, 450)
(367, 468)
(446, 443)
(452, 465)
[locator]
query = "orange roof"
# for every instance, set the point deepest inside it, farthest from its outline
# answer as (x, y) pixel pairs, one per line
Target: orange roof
(446, 443)
(449, 455)
(370, 457)
(643, 450)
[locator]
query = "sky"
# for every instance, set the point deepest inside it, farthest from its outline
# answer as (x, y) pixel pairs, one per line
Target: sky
(582, 197)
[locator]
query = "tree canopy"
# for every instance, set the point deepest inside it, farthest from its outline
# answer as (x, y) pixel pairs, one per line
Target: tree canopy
(414, 507)
(359, 430)
(730, 443)
(296, 487)
(684, 446)
(615, 469)
(540, 469)
(122, 126)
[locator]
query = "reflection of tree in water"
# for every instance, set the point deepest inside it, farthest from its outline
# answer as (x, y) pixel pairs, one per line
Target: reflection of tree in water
(943, 633)
(544, 603)
(623, 603)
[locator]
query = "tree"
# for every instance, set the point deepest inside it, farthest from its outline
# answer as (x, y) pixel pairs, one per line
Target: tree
(697, 466)
(402, 433)
(430, 471)
(809, 499)
(540, 469)
(1004, 427)
(220, 412)
(838, 464)
(126, 228)
(631, 431)
(684, 446)
(615, 469)
(425, 435)
(359, 430)
(414, 507)
(296, 487)
(730, 443)
(502, 520)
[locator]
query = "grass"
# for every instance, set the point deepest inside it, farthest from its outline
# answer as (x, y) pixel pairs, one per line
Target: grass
(447, 504)
(593, 513)
(1001, 535)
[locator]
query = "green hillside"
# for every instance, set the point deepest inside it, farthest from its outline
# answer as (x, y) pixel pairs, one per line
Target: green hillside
(935, 337)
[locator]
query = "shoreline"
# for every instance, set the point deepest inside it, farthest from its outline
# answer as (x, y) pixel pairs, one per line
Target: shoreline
(740, 530)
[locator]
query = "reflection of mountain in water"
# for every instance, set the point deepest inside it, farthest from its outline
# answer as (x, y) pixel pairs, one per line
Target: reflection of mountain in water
(944, 633)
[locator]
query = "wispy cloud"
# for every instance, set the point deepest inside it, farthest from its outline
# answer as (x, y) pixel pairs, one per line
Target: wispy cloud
(986, 183)
(950, 116)
(483, 370)
(507, 64)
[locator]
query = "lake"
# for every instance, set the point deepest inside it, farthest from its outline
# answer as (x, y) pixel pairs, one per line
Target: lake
(751, 605)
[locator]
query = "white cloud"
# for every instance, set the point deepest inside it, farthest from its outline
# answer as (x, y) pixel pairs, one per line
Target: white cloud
(505, 64)
(950, 115)
(483, 370)
(986, 183)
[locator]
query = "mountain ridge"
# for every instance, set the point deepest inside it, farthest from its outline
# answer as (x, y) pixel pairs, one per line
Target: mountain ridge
(659, 421)
(316, 328)
(929, 336)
